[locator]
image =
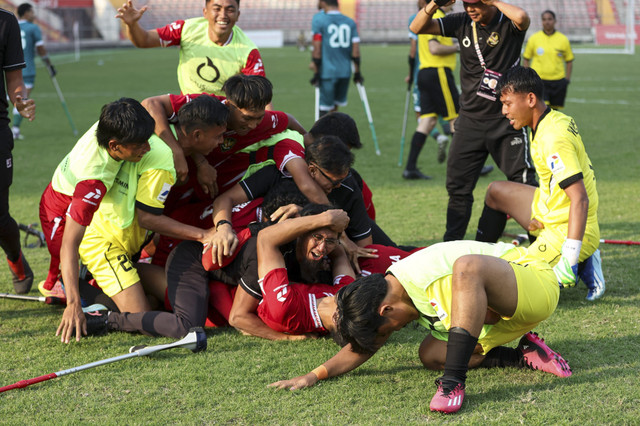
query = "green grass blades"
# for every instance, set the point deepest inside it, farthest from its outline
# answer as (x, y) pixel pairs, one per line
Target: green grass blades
(228, 382)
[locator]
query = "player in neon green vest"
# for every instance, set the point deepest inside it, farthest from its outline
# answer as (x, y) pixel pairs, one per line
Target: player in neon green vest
(212, 48)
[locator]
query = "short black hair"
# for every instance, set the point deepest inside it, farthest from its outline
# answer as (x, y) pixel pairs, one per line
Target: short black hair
(330, 154)
(206, 2)
(550, 12)
(252, 92)
(357, 316)
(286, 192)
(312, 209)
(331, 2)
(24, 8)
(519, 79)
(202, 113)
(126, 121)
(337, 124)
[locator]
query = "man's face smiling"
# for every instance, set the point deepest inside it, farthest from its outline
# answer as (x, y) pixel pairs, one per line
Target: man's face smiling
(222, 16)
(243, 120)
(517, 107)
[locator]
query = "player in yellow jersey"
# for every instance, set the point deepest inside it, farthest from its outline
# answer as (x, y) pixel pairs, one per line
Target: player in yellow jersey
(476, 296)
(563, 212)
(547, 52)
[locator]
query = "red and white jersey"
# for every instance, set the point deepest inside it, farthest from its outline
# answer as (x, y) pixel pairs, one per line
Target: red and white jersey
(292, 307)
(387, 256)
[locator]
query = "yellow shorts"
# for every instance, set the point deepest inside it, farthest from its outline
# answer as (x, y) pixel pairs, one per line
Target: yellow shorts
(109, 264)
(548, 245)
(538, 294)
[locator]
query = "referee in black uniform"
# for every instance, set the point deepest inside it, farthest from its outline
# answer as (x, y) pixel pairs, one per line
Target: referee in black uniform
(491, 34)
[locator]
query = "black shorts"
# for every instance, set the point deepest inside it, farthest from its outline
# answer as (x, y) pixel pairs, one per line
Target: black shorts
(438, 93)
(555, 91)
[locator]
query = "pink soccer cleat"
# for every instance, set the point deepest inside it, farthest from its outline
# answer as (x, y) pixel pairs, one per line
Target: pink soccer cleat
(538, 356)
(447, 400)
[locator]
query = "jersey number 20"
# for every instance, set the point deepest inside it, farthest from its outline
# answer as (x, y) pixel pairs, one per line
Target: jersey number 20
(339, 35)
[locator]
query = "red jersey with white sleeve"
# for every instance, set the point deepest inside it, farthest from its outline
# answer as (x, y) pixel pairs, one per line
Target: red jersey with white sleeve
(292, 307)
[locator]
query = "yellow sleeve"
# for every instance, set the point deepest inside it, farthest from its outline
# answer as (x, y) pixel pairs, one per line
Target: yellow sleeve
(153, 188)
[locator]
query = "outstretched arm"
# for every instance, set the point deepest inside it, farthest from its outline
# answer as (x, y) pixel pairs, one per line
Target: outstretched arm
(342, 362)
(138, 36)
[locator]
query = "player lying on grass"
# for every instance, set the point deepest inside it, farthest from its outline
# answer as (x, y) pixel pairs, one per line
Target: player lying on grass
(249, 123)
(134, 205)
(563, 211)
(474, 295)
(189, 281)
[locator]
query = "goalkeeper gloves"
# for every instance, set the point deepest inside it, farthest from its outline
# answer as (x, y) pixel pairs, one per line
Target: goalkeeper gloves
(567, 268)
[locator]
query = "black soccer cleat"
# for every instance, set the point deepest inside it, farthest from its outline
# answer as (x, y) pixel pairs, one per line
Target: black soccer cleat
(414, 175)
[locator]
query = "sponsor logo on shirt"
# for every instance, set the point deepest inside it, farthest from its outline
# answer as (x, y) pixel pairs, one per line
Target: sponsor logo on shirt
(8, 163)
(516, 141)
(274, 121)
(92, 195)
(281, 291)
(555, 163)
(164, 193)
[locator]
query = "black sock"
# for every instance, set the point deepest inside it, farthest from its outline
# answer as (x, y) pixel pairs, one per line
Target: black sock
(460, 347)
(417, 142)
(501, 357)
(491, 225)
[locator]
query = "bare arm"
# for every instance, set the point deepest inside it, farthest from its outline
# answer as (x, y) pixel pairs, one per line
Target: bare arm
(18, 94)
(525, 62)
(295, 125)
(440, 49)
(224, 242)
(165, 225)
(299, 170)
(272, 237)
(138, 36)
(423, 23)
(159, 107)
(568, 71)
(518, 16)
(243, 317)
(578, 211)
(355, 53)
(72, 317)
(342, 362)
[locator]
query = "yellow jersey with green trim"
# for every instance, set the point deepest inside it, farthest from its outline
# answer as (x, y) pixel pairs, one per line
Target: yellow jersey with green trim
(86, 161)
(428, 59)
(432, 267)
(560, 160)
(548, 54)
(144, 185)
(204, 66)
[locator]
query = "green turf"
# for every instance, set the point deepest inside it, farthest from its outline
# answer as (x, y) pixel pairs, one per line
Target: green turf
(227, 384)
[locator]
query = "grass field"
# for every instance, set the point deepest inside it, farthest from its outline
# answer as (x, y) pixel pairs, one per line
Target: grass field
(227, 383)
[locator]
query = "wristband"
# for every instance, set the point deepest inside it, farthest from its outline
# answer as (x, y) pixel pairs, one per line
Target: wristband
(356, 60)
(222, 222)
(318, 62)
(571, 250)
(321, 372)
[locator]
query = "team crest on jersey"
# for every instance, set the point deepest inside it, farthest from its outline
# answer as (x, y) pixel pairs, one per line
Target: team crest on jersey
(227, 144)
(164, 193)
(555, 163)
(540, 51)
(493, 39)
